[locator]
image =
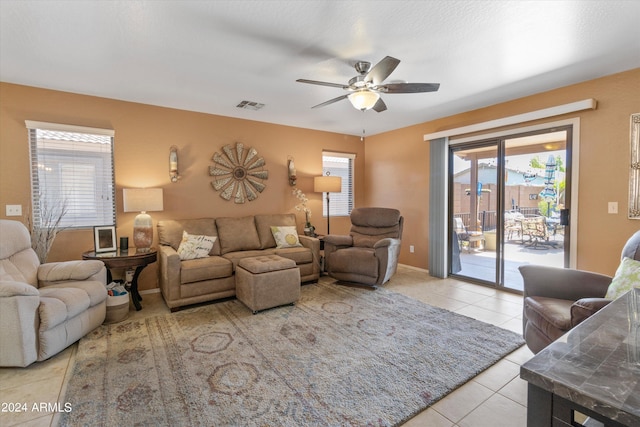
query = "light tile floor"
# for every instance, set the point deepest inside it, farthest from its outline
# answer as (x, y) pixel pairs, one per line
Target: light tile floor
(496, 397)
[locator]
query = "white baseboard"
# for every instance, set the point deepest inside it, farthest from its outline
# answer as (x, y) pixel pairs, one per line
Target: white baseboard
(150, 291)
(411, 267)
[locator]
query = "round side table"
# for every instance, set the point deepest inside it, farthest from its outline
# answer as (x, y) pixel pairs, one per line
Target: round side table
(131, 258)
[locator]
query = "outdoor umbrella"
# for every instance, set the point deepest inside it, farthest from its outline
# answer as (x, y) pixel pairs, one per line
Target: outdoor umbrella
(548, 193)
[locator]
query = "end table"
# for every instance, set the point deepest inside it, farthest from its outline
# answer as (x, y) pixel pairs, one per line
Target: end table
(131, 258)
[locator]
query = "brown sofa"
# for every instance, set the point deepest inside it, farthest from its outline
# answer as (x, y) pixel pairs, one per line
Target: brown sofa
(213, 277)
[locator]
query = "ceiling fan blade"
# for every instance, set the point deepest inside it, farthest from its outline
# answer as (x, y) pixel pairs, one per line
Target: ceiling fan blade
(331, 101)
(408, 87)
(315, 82)
(382, 70)
(379, 106)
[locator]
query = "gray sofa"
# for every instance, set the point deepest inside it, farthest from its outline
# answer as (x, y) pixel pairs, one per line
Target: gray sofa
(185, 282)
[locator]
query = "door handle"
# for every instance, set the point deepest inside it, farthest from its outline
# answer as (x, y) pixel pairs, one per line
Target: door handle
(564, 216)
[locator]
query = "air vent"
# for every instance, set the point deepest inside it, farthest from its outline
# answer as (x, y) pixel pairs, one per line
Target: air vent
(250, 105)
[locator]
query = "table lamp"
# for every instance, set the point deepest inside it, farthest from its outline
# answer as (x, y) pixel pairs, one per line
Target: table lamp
(142, 200)
(327, 184)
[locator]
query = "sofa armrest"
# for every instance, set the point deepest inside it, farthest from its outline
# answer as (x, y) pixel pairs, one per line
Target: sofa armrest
(313, 244)
(388, 253)
(56, 272)
(169, 267)
(386, 242)
(563, 283)
(19, 304)
(9, 288)
(586, 307)
(338, 240)
(332, 243)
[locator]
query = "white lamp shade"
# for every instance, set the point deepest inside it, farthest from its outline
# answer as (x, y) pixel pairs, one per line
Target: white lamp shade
(327, 184)
(364, 99)
(142, 199)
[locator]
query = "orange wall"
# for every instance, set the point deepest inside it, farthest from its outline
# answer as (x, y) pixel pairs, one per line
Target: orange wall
(395, 172)
(143, 135)
(397, 167)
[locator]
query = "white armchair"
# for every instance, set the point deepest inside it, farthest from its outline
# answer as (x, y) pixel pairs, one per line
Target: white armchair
(44, 308)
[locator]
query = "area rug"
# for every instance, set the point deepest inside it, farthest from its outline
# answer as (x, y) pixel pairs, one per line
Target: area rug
(341, 356)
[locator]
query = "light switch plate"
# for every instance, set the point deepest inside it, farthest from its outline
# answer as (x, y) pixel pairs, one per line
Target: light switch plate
(14, 210)
(613, 207)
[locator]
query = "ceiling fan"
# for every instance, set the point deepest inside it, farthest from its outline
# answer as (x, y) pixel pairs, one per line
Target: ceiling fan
(365, 88)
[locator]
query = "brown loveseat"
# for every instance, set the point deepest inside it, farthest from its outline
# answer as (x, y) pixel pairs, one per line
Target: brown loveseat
(185, 282)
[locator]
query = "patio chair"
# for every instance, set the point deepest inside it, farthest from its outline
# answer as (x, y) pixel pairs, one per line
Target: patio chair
(513, 224)
(465, 237)
(537, 230)
(558, 299)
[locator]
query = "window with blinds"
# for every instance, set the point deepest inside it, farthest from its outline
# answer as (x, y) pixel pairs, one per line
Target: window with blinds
(72, 178)
(339, 164)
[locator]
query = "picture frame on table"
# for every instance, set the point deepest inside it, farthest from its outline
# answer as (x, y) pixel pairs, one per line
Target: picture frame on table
(104, 238)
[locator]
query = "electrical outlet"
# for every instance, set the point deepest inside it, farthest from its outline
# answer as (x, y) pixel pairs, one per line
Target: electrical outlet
(412, 248)
(14, 210)
(613, 207)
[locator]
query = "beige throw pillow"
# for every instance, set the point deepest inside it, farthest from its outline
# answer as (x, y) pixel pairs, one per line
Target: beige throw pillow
(193, 247)
(285, 236)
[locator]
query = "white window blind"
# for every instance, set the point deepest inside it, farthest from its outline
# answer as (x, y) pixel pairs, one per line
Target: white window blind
(71, 175)
(339, 164)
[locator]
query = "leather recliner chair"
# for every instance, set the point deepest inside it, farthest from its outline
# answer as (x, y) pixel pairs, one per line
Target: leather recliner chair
(558, 299)
(369, 254)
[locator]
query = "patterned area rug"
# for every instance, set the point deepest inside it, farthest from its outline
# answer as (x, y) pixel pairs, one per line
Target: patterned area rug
(341, 356)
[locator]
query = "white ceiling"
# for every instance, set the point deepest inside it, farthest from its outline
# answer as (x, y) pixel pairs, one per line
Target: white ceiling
(207, 56)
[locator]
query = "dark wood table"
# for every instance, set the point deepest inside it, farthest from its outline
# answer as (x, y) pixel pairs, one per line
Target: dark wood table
(131, 258)
(593, 369)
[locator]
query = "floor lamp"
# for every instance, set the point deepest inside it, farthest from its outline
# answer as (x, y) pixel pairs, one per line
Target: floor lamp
(327, 184)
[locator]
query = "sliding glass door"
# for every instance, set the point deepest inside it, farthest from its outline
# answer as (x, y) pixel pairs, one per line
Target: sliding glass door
(474, 199)
(508, 199)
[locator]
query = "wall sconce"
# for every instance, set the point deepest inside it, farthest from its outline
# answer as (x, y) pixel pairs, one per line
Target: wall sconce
(292, 172)
(173, 164)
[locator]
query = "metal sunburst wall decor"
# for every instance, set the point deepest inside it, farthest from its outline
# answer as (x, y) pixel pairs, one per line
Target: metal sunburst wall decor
(238, 173)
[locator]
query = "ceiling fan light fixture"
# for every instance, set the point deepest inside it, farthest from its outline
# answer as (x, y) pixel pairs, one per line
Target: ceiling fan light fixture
(363, 99)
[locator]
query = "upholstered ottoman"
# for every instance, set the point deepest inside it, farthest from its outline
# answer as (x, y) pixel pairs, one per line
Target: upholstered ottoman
(267, 281)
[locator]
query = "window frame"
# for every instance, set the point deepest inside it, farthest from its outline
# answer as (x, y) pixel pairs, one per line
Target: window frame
(92, 183)
(338, 205)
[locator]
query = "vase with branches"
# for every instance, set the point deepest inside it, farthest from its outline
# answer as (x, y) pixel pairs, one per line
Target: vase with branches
(44, 232)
